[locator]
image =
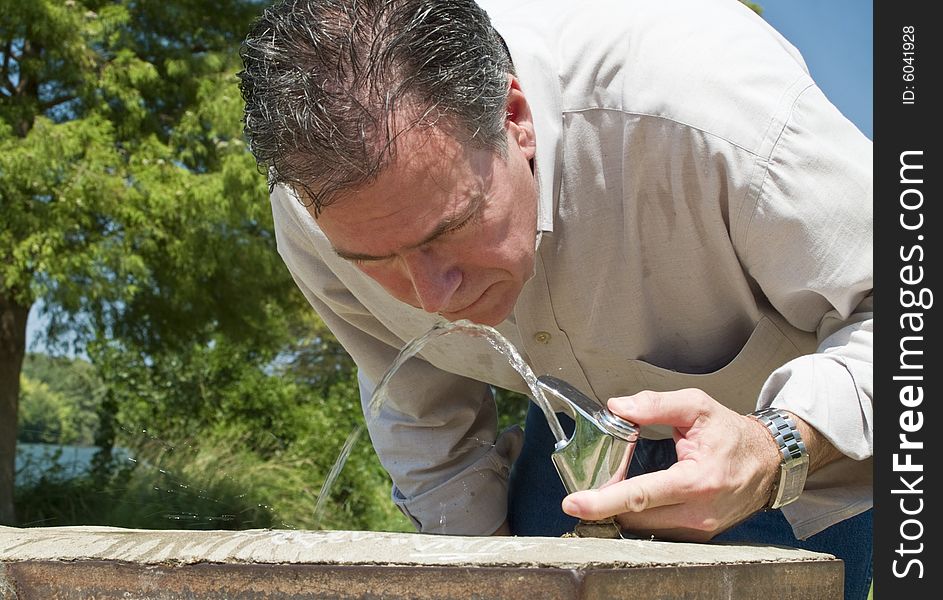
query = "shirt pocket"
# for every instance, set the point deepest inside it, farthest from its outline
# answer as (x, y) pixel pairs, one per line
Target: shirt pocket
(736, 385)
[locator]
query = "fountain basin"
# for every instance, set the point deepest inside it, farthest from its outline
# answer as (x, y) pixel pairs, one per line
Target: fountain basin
(106, 562)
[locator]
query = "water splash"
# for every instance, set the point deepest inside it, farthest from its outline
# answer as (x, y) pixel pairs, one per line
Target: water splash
(495, 340)
(325, 492)
(178, 489)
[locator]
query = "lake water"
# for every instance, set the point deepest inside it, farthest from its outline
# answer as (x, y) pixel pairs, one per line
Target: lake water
(33, 460)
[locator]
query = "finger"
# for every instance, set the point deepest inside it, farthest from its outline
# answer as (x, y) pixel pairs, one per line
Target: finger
(675, 523)
(657, 519)
(654, 531)
(634, 495)
(679, 408)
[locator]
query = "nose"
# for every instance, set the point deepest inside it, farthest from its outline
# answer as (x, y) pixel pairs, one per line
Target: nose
(434, 282)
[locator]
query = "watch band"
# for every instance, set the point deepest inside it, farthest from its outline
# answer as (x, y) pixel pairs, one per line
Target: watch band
(795, 458)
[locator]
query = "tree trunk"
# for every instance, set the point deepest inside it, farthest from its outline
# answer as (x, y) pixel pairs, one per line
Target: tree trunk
(13, 318)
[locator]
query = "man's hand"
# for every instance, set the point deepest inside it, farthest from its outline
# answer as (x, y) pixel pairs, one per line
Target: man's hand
(726, 467)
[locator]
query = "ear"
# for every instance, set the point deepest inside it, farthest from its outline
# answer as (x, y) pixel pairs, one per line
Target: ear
(520, 122)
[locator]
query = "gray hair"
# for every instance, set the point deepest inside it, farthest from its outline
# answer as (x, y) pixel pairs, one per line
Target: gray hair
(330, 84)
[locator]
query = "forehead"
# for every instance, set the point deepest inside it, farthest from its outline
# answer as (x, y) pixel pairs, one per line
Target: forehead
(425, 159)
(430, 177)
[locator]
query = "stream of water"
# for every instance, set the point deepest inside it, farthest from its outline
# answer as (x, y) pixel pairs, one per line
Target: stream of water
(495, 340)
(325, 492)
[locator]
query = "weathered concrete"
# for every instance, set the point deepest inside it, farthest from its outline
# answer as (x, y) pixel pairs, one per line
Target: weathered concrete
(97, 562)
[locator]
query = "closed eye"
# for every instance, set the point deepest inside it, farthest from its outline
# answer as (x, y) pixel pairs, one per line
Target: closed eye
(463, 224)
(472, 213)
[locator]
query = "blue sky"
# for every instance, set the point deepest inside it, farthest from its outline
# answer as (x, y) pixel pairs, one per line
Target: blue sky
(836, 40)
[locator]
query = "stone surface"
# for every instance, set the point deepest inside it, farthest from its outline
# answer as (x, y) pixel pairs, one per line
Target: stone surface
(99, 562)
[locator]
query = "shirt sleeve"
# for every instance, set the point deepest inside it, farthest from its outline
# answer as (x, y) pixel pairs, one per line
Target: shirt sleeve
(808, 245)
(435, 433)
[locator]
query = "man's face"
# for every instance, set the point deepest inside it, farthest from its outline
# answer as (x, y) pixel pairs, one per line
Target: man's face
(444, 228)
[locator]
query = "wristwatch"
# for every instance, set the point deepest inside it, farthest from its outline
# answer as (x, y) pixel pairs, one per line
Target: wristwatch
(795, 465)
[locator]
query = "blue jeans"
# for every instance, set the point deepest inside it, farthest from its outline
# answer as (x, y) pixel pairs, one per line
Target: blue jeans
(535, 493)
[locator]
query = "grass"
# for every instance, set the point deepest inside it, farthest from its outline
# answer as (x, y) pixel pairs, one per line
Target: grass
(216, 488)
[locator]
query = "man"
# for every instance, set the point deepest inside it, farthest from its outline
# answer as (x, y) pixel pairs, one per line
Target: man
(653, 201)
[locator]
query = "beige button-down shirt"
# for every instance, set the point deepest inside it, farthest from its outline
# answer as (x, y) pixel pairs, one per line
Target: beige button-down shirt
(705, 218)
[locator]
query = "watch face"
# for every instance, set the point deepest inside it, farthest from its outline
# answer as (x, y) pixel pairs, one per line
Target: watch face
(792, 480)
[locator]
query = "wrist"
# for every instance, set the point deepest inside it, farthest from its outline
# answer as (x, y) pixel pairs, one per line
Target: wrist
(789, 478)
(766, 453)
(821, 451)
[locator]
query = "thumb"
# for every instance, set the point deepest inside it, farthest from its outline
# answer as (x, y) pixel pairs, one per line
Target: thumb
(679, 408)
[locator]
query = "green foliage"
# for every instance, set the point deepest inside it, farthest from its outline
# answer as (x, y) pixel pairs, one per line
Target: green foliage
(512, 408)
(133, 210)
(49, 417)
(754, 6)
(127, 194)
(135, 497)
(271, 425)
(222, 436)
(59, 400)
(130, 205)
(44, 415)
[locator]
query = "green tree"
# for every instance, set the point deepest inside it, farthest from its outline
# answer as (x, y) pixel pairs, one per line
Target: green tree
(128, 202)
(45, 416)
(59, 400)
(248, 427)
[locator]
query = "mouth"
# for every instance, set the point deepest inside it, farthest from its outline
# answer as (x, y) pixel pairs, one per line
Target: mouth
(454, 315)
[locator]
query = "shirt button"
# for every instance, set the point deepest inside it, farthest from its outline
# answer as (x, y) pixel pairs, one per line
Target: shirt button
(542, 337)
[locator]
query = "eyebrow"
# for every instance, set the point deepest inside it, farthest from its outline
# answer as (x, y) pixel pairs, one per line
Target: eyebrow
(441, 229)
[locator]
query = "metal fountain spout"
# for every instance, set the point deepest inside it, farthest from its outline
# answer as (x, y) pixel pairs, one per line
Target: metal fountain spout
(598, 452)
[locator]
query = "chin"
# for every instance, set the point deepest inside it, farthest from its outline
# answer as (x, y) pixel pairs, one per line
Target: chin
(490, 309)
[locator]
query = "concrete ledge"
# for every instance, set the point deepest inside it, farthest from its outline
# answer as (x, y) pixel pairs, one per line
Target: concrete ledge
(96, 562)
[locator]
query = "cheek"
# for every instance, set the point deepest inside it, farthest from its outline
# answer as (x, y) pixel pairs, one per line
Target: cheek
(509, 243)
